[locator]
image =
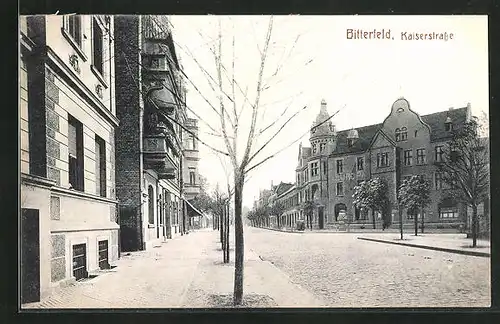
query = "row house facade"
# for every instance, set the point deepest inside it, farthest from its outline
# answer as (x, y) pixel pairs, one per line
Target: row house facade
(68, 120)
(152, 162)
(404, 144)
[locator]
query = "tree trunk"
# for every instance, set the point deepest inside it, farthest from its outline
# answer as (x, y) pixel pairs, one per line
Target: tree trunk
(400, 211)
(474, 225)
(415, 218)
(422, 223)
(226, 209)
(238, 239)
(373, 218)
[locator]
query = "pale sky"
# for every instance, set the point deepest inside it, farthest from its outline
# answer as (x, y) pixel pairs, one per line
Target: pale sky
(361, 77)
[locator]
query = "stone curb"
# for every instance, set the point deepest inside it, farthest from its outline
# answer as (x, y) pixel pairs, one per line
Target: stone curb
(472, 253)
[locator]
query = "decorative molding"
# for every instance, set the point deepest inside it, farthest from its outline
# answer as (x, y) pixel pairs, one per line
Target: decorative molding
(75, 82)
(99, 91)
(73, 61)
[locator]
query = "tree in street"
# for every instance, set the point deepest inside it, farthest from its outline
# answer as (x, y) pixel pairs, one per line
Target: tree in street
(465, 168)
(277, 209)
(414, 194)
(308, 208)
(373, 194)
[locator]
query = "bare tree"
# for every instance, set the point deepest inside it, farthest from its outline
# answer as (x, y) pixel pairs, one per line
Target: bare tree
(465, 168)
(232, 105)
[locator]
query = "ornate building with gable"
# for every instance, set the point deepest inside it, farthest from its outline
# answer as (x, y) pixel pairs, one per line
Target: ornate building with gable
(404, 144)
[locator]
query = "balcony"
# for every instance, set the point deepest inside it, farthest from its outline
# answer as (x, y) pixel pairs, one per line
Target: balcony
(159, 157)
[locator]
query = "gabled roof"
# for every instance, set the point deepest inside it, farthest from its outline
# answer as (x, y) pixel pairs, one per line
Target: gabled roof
(283, 187)
(366, 135)
(436, 121)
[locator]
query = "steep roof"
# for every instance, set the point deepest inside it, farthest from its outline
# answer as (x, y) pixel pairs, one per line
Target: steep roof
(283, 187)
(366, 135)
(436, 121)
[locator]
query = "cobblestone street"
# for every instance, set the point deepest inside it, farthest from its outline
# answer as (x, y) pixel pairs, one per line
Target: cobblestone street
(347, 272)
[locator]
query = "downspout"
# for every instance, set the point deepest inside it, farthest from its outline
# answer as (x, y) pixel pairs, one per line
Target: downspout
(141, 134)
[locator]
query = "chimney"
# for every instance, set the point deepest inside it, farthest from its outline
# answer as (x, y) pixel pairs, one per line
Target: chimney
(450, 109)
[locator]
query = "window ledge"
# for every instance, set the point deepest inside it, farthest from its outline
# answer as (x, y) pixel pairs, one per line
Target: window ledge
(99, 76)
(75, 46)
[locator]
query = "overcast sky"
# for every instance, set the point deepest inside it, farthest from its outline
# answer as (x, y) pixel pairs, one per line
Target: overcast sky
(362, 78)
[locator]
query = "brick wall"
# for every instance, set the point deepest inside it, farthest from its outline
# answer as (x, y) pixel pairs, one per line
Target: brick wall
(128, 134)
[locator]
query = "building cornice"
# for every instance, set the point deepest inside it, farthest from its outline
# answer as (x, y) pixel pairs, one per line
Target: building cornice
(30, 179)
(77, 84)
(84, 195)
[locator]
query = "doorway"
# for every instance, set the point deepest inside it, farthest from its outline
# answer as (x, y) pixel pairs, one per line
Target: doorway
(30, 255)
(321, 220)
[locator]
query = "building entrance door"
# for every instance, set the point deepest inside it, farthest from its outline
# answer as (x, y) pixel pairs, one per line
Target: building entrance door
(321, 218)
(30, 256)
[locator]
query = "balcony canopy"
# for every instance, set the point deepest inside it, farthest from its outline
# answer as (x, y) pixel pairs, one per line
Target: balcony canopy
(192, 211)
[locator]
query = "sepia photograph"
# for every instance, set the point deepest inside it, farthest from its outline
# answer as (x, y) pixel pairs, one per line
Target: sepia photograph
(253, 161)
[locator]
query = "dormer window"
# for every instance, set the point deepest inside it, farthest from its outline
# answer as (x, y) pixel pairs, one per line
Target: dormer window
(401, 134)
(400, 110)
(322, 147)
(448, 125)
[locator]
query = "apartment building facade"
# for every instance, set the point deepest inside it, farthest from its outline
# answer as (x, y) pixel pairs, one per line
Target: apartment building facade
(151, 106)
(67, 154)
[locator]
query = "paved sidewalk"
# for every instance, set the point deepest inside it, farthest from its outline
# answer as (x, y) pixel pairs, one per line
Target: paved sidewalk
(261, 278)
(183, 272)
(456, 243)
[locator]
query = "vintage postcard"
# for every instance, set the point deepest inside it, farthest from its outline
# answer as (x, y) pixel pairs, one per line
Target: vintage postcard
(254, 161)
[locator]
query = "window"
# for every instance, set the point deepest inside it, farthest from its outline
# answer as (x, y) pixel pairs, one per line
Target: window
(404, 134)
(439, 153)
(438, 180)
(340, 188)
(151, 205)
(325, 167)
(97, 42)
(322, 147)
(314, 148)
(340, 166)
(416, 133)
(382, 159)
(408, 157)
(421, 156)
(75, 153)
(409, 215)
(103, 254)
(448, 213)
(100, 166)
(194, 142)
(448, 126)
(314, 169)
(157, 62)
(401, 134)
(360, 162)
(192, 176)
(73, 27)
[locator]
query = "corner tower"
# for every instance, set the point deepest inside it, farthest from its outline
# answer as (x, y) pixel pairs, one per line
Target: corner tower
(322, 136)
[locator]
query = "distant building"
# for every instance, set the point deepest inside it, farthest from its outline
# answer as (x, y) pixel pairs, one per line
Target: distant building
(67, 120)
(404, 144)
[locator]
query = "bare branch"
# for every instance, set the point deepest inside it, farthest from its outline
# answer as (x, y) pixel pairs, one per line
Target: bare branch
(290, 144)
(275, 134)
(257, 99)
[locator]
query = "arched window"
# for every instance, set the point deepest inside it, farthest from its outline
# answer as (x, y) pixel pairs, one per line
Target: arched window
(404, 134)
(151, 205)
(398, 134)
(401, 134)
